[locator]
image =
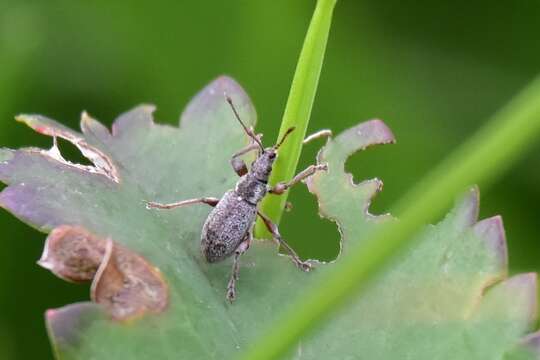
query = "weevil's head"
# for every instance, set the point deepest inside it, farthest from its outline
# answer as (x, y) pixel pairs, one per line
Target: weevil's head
(262, 166)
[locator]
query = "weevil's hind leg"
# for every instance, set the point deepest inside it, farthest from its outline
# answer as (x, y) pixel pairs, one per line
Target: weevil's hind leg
(242, 248)
(281, 187)
(302, 265)
(205, 200)
(318, 135)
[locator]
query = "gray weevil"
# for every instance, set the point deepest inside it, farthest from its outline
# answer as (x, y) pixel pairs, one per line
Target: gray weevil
(228, 229)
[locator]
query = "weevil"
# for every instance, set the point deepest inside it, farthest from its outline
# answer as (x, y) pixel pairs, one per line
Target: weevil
(228, 229)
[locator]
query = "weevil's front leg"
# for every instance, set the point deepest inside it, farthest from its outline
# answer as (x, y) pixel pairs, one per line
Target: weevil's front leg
(302, 265)
(238, 164)
(205, 200)
(242, 248)
(318, 135)
(281, 187)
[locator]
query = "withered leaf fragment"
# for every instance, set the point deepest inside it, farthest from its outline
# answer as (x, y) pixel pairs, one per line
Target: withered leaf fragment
(122, 281)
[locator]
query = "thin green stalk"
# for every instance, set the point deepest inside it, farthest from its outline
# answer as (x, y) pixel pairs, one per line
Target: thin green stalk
(299, 105)
(480, 160)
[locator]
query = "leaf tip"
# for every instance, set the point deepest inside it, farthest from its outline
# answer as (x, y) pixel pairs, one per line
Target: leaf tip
(213, 97)
(31, 121)
(467, 208)
(380, 131)
(65, 325)
(92, 127)
(140, 117)
(524, 287)
(491, 231)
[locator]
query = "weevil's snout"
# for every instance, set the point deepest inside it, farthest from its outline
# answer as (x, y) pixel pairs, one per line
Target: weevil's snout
(262, 167)
(272, 154)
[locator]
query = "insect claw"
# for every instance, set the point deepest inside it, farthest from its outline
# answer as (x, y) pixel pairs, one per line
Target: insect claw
(231, 291)
(303, 265)
(323, 167)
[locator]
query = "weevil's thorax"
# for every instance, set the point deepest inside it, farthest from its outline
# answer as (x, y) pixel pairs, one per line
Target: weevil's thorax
(253, 186)
(250, 189)
(261, 168)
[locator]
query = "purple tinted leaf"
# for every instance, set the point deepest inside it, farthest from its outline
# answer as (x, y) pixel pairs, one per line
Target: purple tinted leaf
(466, 212)
(210, 101)
(491, 231)
(521, 291)
(527, 349)
(137, 119)
(93, 130)
(507, 312)
(29, 197)
(46, 126)
(67, 325)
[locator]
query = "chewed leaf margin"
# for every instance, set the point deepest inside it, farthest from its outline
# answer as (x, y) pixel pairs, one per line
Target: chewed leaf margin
(335, 186)
(102, 163)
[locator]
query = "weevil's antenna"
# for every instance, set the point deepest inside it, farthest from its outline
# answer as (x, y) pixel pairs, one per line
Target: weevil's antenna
(246, 129)
(289, 130)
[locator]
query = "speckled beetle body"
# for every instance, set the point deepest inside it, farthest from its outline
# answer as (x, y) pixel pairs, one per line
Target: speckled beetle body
(227, 225)
(228, 229)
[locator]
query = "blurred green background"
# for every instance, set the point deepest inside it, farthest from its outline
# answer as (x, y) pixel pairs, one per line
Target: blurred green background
(434, 71)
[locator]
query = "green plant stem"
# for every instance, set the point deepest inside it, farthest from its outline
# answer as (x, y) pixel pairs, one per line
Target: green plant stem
(298, 108)
(480, 160)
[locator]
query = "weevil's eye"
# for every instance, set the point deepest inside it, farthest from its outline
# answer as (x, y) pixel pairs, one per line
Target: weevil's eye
(272, 155)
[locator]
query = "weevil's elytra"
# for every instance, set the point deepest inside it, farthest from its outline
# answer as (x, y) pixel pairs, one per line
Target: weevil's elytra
(228, 229)
(226, 226)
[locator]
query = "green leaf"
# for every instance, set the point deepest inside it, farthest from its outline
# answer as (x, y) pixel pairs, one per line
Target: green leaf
(482, 158)
(446, 298)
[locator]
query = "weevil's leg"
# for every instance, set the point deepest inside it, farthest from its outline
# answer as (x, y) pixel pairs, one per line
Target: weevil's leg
(302, 265)
(281, 187)
(205, 200)
(238, 164)
(319, 134)
(242, 248)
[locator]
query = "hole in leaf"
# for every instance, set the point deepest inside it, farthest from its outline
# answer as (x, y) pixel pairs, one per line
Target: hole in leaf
(71, 153)
(379, 162)
(310, 235)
